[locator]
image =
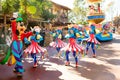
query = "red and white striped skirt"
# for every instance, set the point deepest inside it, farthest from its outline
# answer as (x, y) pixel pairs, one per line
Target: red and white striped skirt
(34, 48)
(72, 46)
(93, 40)
(58, 43)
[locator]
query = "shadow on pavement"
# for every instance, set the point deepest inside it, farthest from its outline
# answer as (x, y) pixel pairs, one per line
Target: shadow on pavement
(106, 53)
(116, 40)
(39, 73)
(114, 61)
(94, 71)
(51, 51)
(56, 61)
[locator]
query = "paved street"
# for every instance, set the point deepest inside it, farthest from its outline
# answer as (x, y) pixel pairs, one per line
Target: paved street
(105, 67)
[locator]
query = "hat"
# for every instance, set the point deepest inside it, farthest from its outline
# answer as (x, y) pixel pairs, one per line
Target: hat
(15, 14)
(37, 29)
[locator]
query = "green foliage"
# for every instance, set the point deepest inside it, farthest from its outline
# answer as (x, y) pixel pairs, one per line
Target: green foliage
(25, 17)
(7, 6)
(79, 11)
(10, 6)
(28, 8)
(16, 5)
(46, 15)
(43, 7)
(82, 22)
(36, 9)
(31, 9)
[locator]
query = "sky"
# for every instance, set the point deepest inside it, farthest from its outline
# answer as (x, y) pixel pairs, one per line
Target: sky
(68, 3)
(110, 12)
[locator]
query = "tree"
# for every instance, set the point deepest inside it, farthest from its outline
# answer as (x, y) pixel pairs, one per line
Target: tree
(7, 8)
(116, 21)
(16, 5)
(79, 11)
(28, 8)
(23, 9)
(36, 9)
(43, 7)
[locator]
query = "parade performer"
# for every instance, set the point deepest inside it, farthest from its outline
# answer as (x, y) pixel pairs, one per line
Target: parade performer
(81, 35)
(18, 36)
(34, 48)
(57, 43)
(92, 9)
(72, 46)
(92, 41)
(106, 29)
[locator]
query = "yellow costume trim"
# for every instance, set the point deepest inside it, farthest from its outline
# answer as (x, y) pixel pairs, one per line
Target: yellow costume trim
(39, 36)
(60, 36)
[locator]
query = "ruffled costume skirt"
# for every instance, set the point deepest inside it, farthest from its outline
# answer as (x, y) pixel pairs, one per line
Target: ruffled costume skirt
(92, 39)
(34, 48)
(72, 46)
(58, 44)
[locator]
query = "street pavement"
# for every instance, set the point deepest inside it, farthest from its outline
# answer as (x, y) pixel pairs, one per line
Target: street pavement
(106, 66)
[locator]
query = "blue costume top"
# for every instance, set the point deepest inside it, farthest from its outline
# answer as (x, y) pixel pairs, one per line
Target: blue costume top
(36, 38)
(71, 35)
(57, 42)
(57, 34)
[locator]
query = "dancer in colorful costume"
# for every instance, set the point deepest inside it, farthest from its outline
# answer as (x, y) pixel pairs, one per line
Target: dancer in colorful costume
(92, 41)
(58, 43)
(18, 36)
(34, 48)
(81, 35)
(72, 46)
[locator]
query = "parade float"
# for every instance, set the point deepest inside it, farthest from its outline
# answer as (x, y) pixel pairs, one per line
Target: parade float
(96, 16)
(105, 34)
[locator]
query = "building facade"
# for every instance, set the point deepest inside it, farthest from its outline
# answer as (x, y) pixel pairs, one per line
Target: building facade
(61, 13)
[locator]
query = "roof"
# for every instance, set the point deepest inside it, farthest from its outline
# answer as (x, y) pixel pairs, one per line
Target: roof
(65, 7)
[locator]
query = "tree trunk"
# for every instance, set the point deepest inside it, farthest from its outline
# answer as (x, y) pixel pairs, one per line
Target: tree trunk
(4, 29)
(5, 20)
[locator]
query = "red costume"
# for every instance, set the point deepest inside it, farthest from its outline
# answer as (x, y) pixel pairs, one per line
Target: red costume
(15, 36)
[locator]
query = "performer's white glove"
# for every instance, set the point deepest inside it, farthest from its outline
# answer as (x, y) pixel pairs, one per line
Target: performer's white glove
(31, 29)
(15, 14)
